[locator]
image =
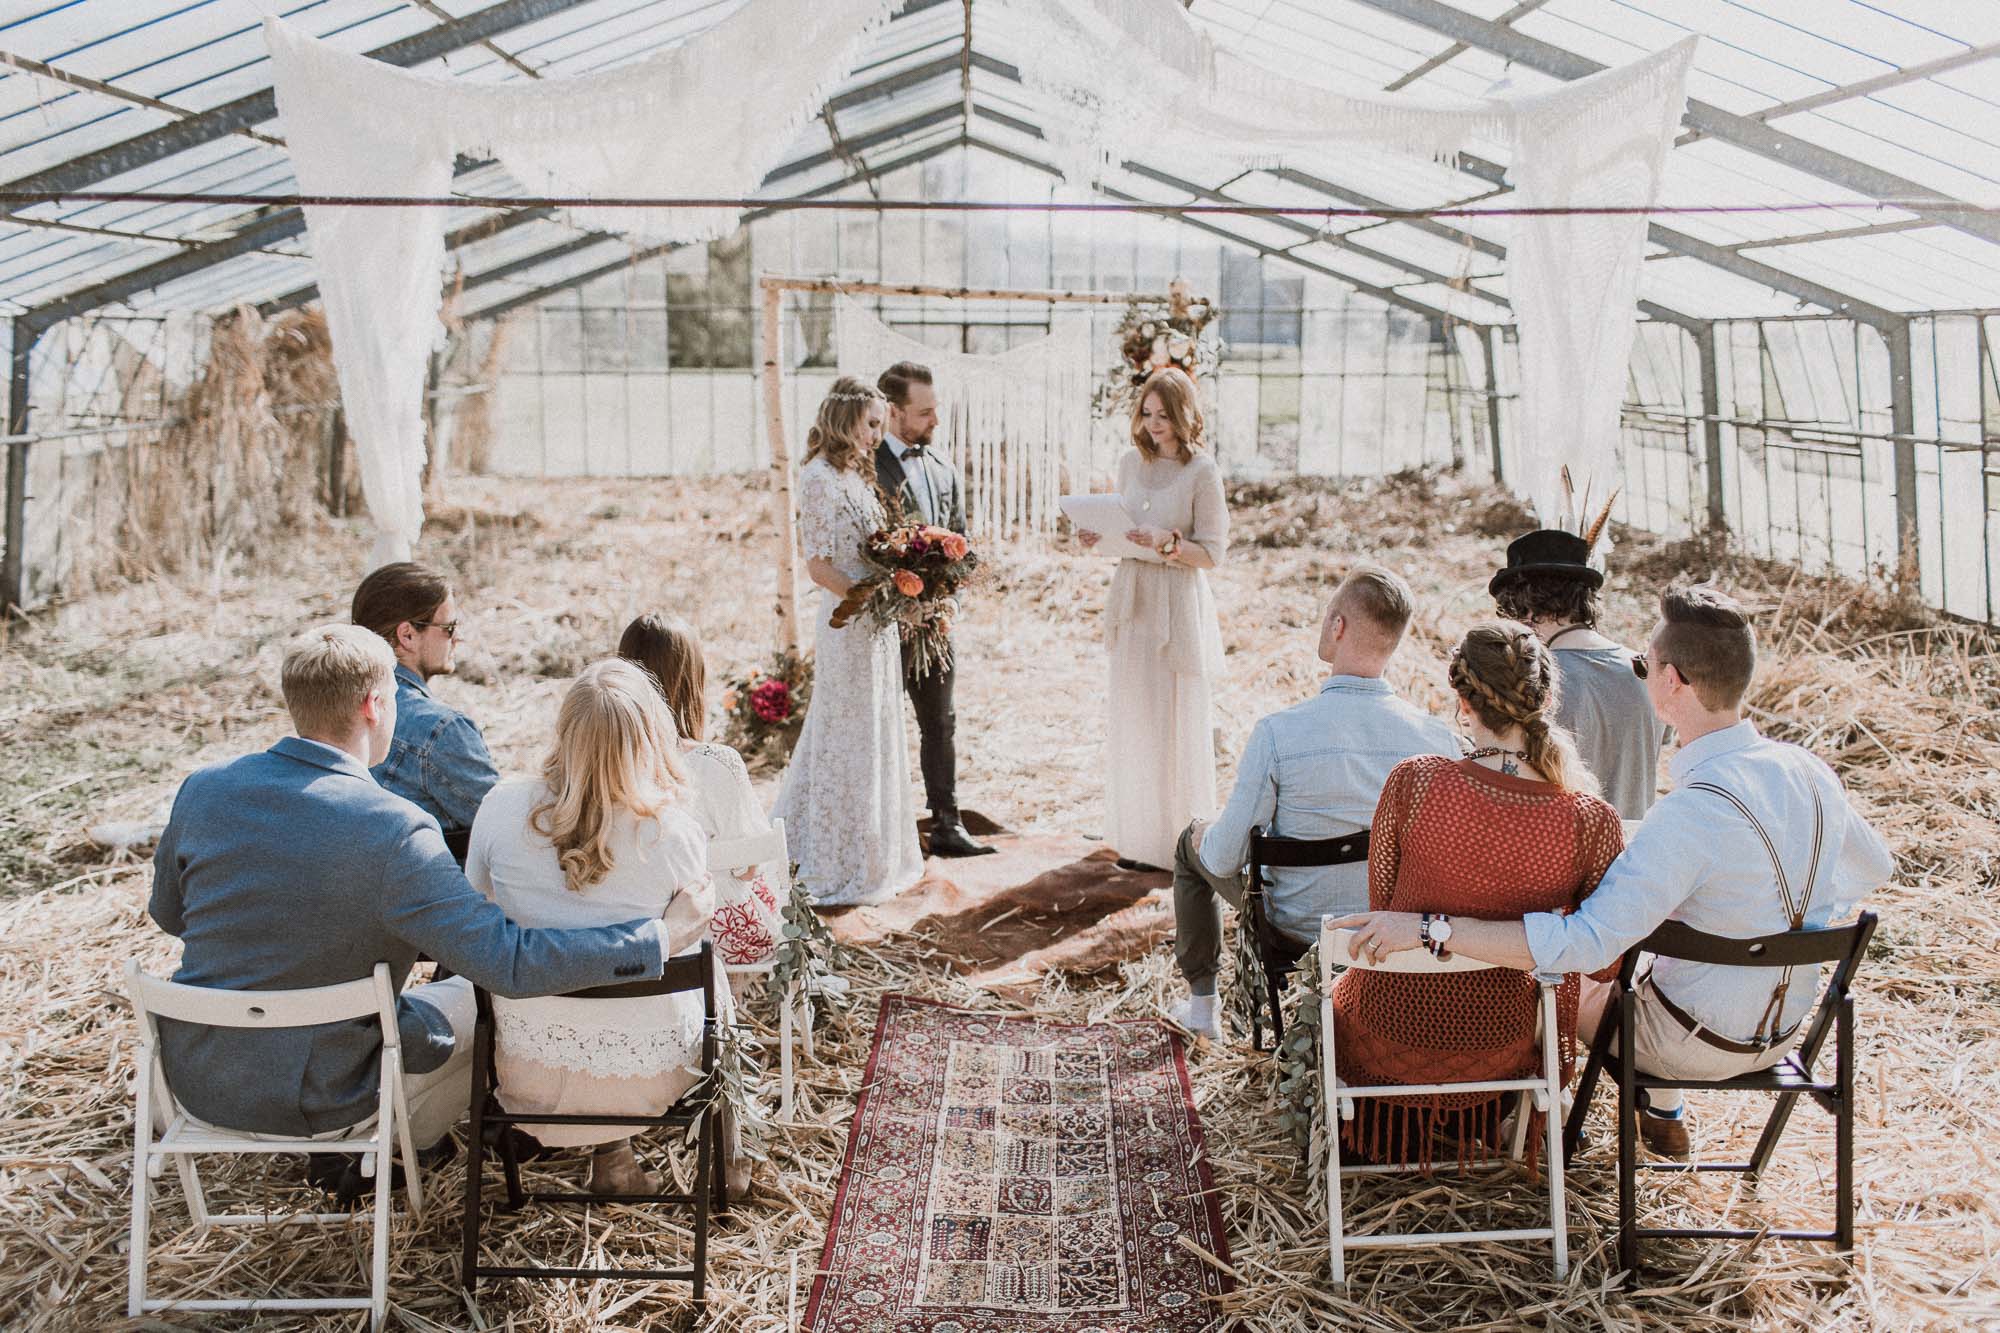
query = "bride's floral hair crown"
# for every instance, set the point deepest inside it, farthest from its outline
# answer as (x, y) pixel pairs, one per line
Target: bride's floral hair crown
(836, 433)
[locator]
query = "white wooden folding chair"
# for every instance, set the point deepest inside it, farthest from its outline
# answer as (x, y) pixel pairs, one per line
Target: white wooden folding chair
(185, 1137)
(795, 1013)
(1339, 1104)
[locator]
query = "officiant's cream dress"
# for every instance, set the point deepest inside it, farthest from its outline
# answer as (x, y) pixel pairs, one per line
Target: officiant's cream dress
(850, 813)
(1166, 654)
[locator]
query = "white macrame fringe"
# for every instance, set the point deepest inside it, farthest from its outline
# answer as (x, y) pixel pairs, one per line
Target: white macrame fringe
(1016, 423)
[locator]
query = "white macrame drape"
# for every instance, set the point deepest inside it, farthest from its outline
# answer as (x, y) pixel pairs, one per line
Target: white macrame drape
(1015, 423)
(703, 120)
(1132, 75)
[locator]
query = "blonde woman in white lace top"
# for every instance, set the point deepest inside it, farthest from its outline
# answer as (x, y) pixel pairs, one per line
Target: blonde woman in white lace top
(601, 835)
(1160, 628)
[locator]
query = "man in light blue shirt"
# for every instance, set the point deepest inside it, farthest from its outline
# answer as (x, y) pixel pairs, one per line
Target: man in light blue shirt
(1756, 838)
(1314, 770)
(438, 760)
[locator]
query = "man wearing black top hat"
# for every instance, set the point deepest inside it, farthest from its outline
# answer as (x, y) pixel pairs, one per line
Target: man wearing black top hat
(1549, 585)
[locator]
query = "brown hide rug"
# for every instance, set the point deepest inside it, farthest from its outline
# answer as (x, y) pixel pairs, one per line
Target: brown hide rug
(1042, 903)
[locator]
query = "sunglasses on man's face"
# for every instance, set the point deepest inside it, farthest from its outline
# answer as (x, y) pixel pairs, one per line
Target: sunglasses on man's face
(1641, 668)
(450, 629)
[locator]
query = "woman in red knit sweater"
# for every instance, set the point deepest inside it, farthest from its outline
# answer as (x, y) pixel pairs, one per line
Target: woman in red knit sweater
(1516, 826)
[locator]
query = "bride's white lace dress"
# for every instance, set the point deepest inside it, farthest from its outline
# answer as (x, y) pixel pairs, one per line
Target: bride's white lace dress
(850, 813)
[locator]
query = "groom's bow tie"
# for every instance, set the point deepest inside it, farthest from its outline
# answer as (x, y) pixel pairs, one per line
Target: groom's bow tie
(911, 451)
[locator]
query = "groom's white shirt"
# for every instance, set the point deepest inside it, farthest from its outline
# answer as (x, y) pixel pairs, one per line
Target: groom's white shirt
(922, 490)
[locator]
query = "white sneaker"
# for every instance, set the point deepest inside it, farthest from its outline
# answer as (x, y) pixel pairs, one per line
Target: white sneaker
(1201, 1020)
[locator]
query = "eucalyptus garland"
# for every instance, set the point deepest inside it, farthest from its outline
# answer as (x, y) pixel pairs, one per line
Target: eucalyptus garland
(1248, 993)
(732, 1083)
(1300, 1093)
(807, 953)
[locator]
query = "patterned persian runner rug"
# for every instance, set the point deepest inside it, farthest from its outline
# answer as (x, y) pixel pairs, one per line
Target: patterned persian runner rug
(1005, 1174)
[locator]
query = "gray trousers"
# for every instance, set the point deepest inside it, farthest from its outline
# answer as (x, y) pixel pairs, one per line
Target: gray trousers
(1198, 897)
(436, 1100)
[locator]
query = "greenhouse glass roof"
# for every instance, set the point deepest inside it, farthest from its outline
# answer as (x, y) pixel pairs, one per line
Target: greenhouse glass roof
(1886, 107)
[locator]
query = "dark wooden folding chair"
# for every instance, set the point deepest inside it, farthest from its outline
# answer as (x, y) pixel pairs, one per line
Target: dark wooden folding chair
(700, 1107)
(1788, 1080)
(1277, 952)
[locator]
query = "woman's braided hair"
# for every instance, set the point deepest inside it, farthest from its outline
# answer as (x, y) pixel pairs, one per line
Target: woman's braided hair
(1508, 677)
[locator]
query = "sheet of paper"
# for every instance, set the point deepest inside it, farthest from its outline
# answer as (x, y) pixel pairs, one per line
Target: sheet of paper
(1104, 515)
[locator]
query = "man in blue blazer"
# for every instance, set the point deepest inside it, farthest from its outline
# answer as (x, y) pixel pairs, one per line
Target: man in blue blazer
(293, 868)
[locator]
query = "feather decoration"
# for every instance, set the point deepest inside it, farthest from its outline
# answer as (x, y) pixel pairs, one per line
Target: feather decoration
(1596, 529)
(1569, 498)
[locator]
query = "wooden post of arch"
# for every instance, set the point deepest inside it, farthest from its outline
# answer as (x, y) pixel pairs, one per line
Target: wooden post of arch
(773, 287)
(781, 467)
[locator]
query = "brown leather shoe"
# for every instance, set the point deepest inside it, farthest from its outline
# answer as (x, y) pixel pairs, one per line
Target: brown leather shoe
(615, 1169)
(1663, 1137)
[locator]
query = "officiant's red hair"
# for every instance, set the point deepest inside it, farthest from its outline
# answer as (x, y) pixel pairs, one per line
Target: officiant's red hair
(1179, 399)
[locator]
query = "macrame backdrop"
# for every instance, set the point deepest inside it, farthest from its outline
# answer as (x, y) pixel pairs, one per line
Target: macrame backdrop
(1016, 423)
(710, 117)
(706, 119)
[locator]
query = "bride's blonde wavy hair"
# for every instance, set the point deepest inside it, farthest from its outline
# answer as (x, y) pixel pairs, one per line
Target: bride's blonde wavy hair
(614, 750)
(836, 433)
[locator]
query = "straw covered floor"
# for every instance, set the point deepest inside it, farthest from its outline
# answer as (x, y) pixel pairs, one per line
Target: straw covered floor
(114, 699)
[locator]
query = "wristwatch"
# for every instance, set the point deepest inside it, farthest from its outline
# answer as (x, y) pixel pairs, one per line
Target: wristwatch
(1435, 932)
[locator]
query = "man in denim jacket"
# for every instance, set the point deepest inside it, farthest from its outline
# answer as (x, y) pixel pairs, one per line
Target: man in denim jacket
(438, 760)
(1314, 770)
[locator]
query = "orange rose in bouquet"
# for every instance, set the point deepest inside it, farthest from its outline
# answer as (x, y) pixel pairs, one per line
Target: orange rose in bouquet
(917, 570)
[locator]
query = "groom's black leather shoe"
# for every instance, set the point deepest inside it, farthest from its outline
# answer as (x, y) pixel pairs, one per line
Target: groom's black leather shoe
(953, 840)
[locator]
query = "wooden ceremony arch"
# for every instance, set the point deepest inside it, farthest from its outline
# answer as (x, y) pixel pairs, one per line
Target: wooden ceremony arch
(771, 339)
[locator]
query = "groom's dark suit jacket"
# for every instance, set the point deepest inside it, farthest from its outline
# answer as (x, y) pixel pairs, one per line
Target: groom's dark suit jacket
(942, 475)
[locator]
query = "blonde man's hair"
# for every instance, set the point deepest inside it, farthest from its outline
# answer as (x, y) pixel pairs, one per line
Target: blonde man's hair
(328, 671)
(614, 750)
(1379, 597)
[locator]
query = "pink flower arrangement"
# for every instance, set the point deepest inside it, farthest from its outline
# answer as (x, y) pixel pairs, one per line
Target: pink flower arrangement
(764, 708)
(771, 700)
(908, 583)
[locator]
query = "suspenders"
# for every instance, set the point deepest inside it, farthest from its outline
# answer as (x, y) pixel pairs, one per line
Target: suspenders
(1795, 907)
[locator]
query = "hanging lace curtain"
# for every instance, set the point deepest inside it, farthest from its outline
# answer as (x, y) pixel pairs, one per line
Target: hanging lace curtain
(706, 119)
(1132, 75)
(1015, 423)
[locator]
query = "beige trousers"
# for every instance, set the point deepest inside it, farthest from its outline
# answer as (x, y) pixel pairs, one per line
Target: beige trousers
(1664, 1048)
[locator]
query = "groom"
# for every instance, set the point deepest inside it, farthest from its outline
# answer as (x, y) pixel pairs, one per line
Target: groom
(926, 485)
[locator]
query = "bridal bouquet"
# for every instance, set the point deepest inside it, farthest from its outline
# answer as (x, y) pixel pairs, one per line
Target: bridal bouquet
(917, 572)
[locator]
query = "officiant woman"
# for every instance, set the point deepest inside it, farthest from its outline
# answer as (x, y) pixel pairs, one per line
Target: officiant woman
(1161, 634)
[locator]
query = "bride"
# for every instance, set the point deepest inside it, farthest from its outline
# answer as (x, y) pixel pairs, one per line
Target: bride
(850, 817)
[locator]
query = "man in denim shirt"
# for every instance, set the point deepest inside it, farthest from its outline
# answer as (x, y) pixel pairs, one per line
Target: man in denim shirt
(438, 759)
(1314, 770)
